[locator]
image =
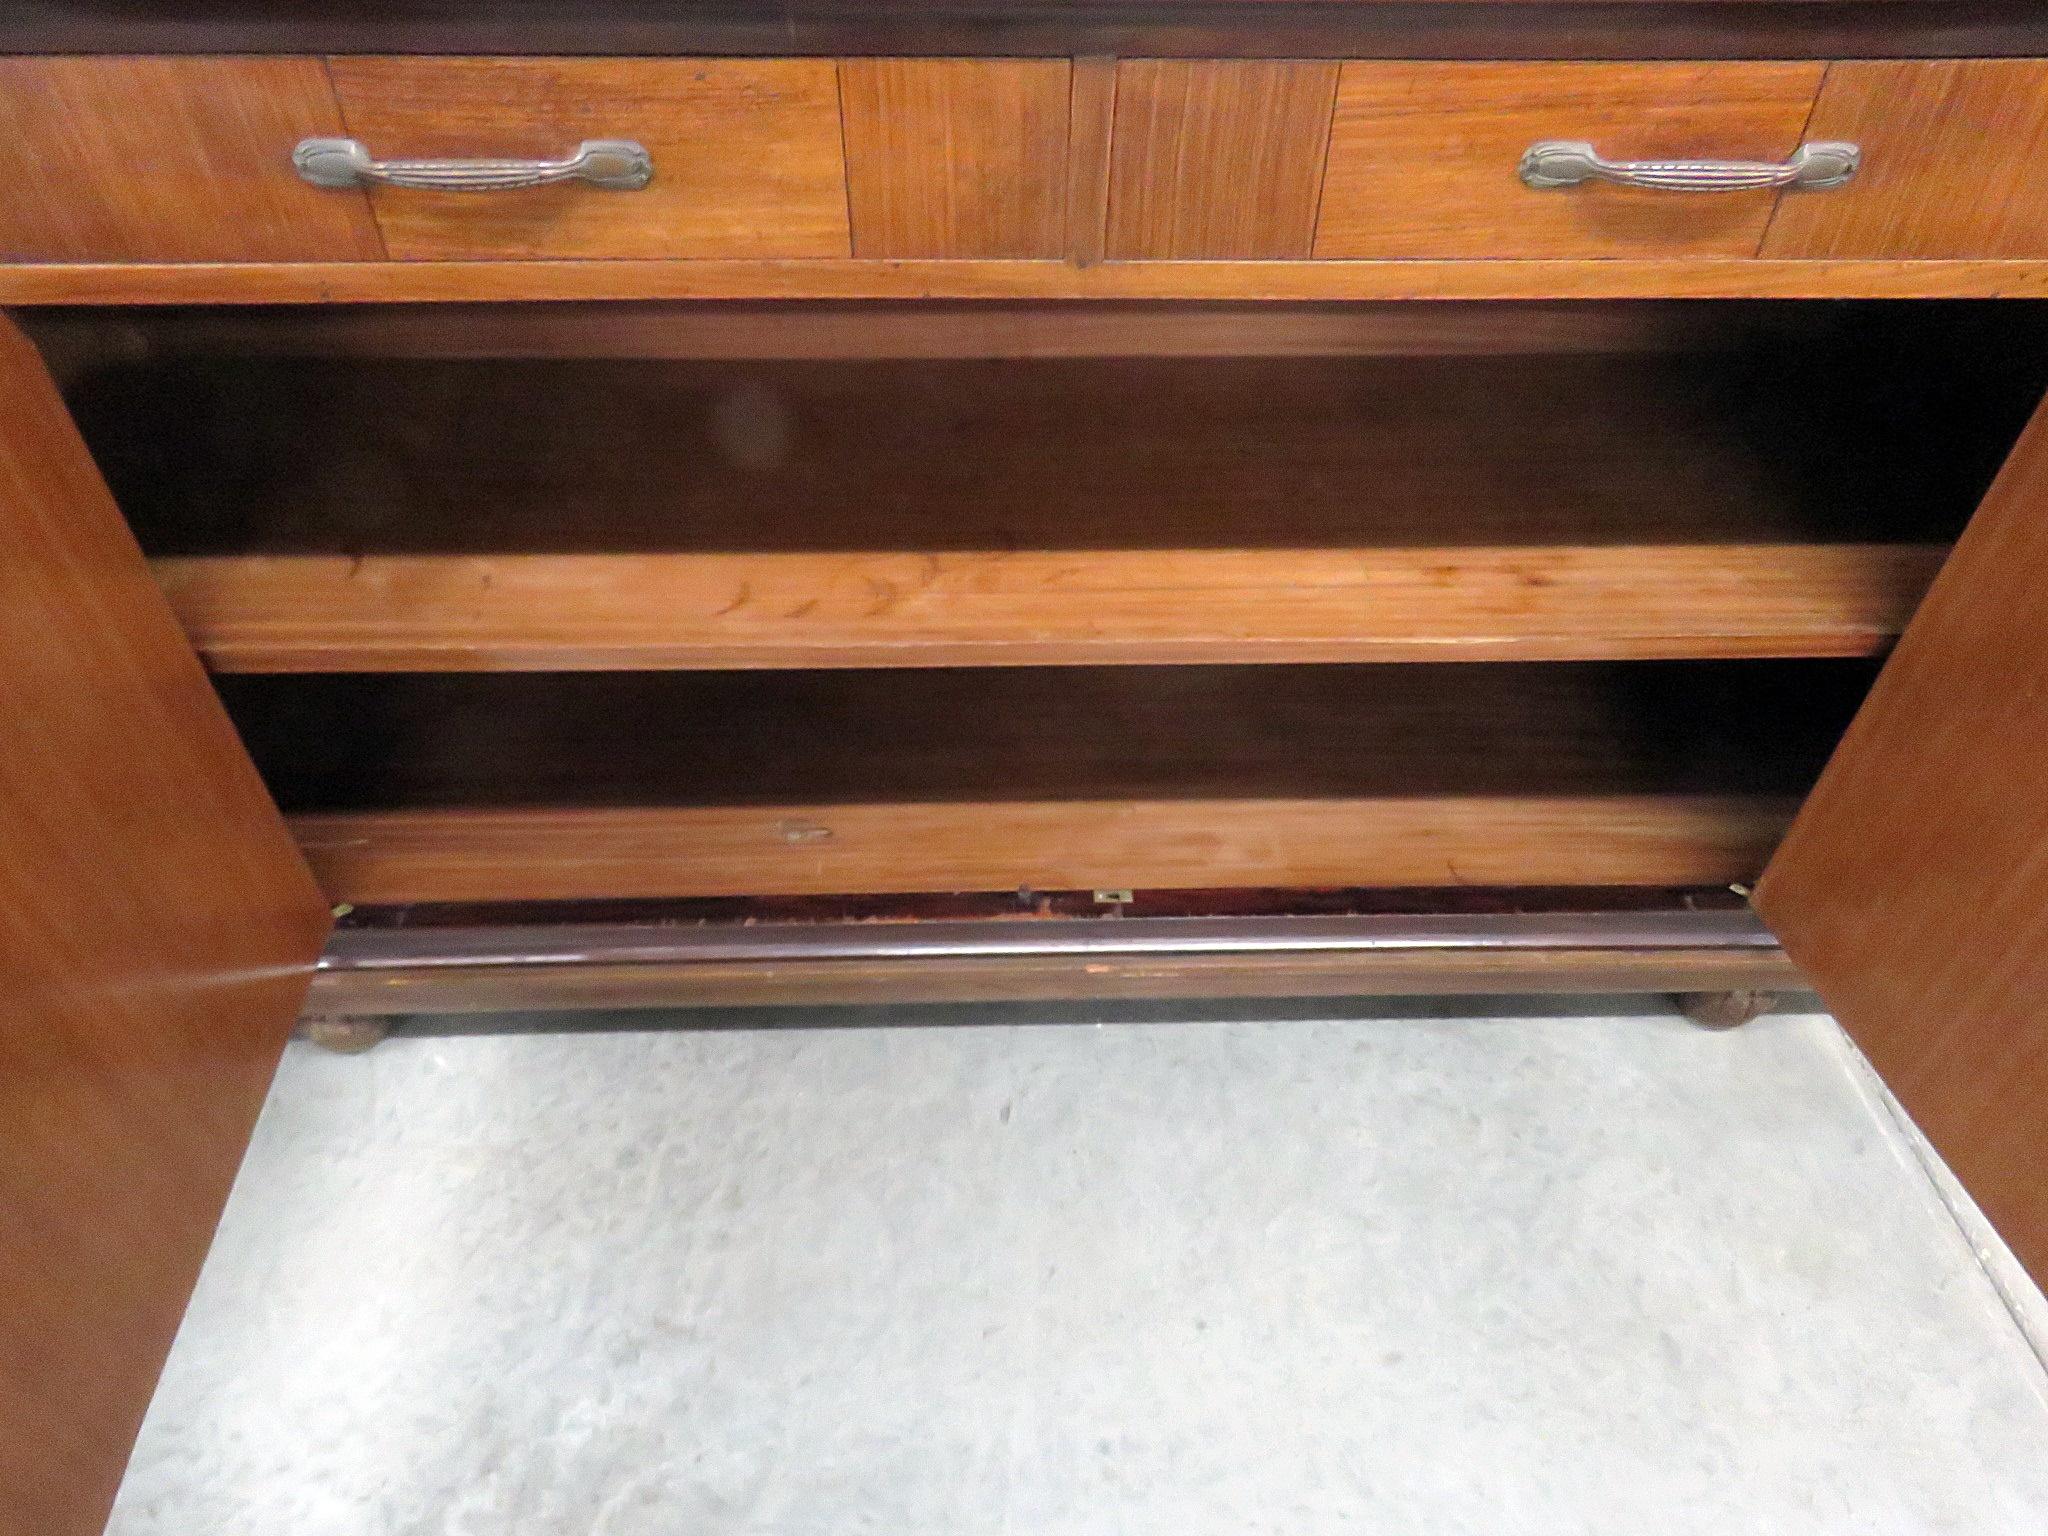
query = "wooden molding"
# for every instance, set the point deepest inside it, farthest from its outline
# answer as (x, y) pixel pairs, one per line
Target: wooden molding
(517, 965)
(1424, 29)
(1280, 281)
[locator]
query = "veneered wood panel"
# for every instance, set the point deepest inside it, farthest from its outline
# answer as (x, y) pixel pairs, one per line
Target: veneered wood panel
(1044, 607)
(606, 852)
(1089, 124)
(746, 152)
(957, 158)
(1217, 158)
(186, 159)
(1423, 157)
(1955, 163)
(157, 931)
(1913, 888)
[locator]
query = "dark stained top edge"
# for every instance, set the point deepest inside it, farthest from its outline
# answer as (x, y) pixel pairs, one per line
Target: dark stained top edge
(1392, 29)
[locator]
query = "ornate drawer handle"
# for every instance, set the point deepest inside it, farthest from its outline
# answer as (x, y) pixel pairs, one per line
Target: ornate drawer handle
(1565, 163)
(616, 163)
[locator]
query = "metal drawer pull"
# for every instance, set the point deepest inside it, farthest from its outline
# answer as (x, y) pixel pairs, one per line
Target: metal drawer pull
(616, 163)
(1565, 163)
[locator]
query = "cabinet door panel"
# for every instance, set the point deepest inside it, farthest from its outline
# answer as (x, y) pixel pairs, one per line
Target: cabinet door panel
(157, 931)
(1913, 887)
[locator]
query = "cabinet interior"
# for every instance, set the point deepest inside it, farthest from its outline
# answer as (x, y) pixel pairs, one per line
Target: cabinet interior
(574, 602)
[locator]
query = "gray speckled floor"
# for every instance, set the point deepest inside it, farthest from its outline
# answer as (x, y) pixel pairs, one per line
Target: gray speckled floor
(1299, 1274)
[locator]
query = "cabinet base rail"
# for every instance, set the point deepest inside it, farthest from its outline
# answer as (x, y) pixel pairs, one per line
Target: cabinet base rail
(376, 971)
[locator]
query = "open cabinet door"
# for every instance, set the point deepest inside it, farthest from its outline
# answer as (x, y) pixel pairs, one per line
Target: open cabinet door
(157, 931)
(1913, 888)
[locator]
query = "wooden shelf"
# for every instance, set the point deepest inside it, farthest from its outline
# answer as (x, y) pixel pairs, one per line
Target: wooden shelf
(465, 855)
(566, 786)
(311, 613)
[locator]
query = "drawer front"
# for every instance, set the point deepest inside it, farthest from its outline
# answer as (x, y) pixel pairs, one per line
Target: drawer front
(1423, 158)
(173, 159)
(746, 155)
(1955, 163)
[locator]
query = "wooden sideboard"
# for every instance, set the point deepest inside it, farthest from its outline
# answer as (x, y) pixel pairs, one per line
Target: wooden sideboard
(633, 503)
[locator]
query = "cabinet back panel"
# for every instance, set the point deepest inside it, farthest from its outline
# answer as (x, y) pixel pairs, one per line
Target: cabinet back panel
(1677, 423)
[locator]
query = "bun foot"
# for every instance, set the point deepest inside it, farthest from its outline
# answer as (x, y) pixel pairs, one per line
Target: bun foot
(344, 1034)
(1724, 1010)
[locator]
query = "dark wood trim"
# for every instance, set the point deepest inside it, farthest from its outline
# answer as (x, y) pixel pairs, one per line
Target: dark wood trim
(737, 984)
(1414, 29)
(1440, 902)
(512, 969)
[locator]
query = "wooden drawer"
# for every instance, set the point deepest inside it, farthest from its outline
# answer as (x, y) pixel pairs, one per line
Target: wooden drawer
(746, 154)
(1423, 157)
(185, 159)
(190, 159)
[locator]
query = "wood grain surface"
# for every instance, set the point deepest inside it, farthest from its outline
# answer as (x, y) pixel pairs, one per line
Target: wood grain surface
(156, 933)
(313, 613)
(1217, 158)
(1090, 123)
(490, 855)
(140, 159)
(957, 158)
(1702, 277)
(1423, 157)
(1914, 887)
(747, 158)
(1952, 163)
